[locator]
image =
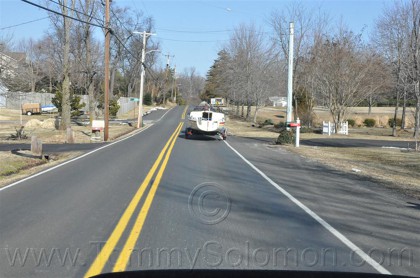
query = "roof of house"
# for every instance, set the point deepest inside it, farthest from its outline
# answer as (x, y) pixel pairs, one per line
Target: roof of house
(18, 56)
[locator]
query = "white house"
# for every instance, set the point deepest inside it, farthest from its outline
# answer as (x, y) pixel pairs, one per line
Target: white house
(278, 101)
(10, 62)
(3, 92)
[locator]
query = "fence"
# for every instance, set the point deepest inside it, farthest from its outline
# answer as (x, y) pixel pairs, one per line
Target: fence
(13, 100)
(124, 102)
(329, 128)
(125, 105)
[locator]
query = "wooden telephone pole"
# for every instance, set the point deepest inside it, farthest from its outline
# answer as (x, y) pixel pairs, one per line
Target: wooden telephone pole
(167, 81)
(106, 82)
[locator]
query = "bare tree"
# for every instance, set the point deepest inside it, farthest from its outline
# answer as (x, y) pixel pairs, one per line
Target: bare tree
(391, 38)
(49, 57)
(87, 62)
(66, 105)
(414, 28)
(126, 46)
(399, 39)
(251, 68)
(309, 28)
(344, 73)
(62, 31)
(192, 84)
(6, 42)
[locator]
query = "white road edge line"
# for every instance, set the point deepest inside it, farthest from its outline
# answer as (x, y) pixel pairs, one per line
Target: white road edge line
(165, 114)
(80, 156)
(321, 221)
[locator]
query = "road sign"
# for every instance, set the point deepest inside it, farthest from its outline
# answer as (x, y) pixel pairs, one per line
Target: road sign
(134, 99)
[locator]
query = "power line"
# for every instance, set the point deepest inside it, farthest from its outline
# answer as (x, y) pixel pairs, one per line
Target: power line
(57, 13)
(135, 57)
(23, 23)
(77, 11)
(194, 32)
(151, 73)
(122, 24)
(175, 40)
(124, 46)
(89, 23)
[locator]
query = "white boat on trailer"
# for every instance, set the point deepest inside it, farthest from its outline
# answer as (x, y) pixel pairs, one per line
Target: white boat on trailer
(204, 120)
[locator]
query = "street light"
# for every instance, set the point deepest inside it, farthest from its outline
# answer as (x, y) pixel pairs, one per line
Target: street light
(143, 55)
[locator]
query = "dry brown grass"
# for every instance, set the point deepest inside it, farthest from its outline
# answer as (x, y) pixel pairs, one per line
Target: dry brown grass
(12, 164)
(51, 135)
(359, 114)
(14, 167)
(240, 128)
(43, 127)
(393, 167)
(14, 115)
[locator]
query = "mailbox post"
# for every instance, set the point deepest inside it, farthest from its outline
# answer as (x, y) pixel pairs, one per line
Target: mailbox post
(297, 137)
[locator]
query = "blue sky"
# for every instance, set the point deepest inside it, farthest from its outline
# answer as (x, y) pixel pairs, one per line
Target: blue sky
(198, 45)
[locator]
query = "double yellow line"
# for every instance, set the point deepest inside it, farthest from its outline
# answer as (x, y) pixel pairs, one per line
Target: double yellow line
(184, 113)
(124, 256)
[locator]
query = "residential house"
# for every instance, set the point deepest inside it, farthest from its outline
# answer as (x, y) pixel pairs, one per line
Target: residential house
(10, 62)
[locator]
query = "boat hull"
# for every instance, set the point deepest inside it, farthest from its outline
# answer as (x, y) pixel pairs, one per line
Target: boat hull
(207, 123)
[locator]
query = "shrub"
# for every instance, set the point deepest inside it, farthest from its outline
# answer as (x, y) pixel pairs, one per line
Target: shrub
(391, 122)
(358, 121)
(180, 100)
(20, 134)
(369, 122)
(113, 107)
(75, 105)
(383, 121)
(377, 121)
(285, 137)
(307, 130)
(351, 122)
(267, 122)
(147, 99)
(280, 125)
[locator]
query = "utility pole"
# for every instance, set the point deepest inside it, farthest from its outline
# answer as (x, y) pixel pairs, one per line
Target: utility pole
(142, 74)
(290, 76)
(143, 54)
(168, 67)
(173, 98)
(106, 82)
(168, 56)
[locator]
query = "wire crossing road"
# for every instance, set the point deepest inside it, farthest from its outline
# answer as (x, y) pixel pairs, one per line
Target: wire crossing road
(156, 201)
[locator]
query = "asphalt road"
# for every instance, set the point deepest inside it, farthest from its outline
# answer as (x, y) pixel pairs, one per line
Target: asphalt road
(156, 200)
